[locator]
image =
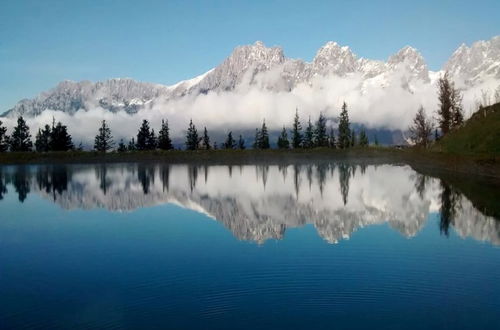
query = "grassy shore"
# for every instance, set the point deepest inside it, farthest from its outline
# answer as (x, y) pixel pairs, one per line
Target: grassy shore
(422, 160)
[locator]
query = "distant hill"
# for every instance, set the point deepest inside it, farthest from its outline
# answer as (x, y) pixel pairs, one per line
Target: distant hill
(479, 135)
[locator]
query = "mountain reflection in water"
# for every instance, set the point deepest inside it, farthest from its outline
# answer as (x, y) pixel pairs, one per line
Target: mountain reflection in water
(258, 202)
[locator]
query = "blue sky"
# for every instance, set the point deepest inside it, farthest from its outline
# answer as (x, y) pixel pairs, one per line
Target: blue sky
(44, 42)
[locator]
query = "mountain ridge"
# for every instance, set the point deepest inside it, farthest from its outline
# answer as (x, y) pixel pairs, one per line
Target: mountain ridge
(269, 69)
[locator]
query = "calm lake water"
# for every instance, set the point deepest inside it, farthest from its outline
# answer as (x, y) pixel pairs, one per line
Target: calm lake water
(298, 247)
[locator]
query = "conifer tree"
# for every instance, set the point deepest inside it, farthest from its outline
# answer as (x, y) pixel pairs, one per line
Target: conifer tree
(257, 139)
(375, 140)
(4, 138)
(296, 131)
(353, 138)
(230, 143)
(264, 137)
(241, 143)
(206, 140)
(60, 140)
(20, 139)
(164, 141)
(308, 140)
(42, 139)
(344, 140)
(283, 142)
(121, 146)
(132, 145)
(363, 138)
(152, 141)
(143, 136)
(320, 135)
(331, 139)
(103, 140)
(192, 139)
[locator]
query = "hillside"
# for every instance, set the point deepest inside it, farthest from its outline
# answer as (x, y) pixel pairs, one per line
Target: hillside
(479, 135)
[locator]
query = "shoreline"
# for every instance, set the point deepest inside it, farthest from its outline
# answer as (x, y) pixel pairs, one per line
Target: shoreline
(487, 166)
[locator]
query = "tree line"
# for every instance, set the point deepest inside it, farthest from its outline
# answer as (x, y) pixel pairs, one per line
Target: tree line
(55, 137)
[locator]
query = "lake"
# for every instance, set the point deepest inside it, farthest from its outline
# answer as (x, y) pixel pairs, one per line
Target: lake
(320, 245)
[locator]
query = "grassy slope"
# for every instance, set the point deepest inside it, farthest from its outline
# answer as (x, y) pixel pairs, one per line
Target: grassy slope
(479, 136)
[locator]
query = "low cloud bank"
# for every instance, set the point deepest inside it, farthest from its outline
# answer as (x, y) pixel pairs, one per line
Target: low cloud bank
(380, 102)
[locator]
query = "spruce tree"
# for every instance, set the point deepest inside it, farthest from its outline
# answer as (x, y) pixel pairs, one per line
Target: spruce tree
(132, 145)
(60, 140)
(296, 131)
(375, 140)
(331, 139)
(164, 141)
(121, 146)
(256, 139)
(308, 141)
(192, 139)
(20, 139)
(264, 137)
(353, 138)
(320, 135)
(42, 139)
(344, 140)
(206, 140)
(241, 143)
(103, 140)
(230, 143)
(4, 138)
(152, 141)
(283, 142)
(143, 136)
(363, 138)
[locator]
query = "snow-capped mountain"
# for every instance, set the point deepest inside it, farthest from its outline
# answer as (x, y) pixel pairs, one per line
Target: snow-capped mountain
(267, 68)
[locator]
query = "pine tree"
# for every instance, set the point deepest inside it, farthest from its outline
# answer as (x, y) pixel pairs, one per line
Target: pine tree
(296, 131)
(256, 139)
(206, 140)
(331, 139)
(363, 138)
(20, 139)
(121, 146)
(42, 139)
(353, 138)
(375, 140)
(192, 139)
(4, 138)
(421, 130)
(241, 143)
(164, 141)
(264, 137)
(152, 141)
(344, 140)
(283, 142)
(60, 140)
(308, 140)
(320, 136)
(230, 143)
(103, 140)
(445, 103)
(143, 136)
(132, 145)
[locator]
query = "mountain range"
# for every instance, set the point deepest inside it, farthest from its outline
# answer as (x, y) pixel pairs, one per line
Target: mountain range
(268, 69)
